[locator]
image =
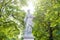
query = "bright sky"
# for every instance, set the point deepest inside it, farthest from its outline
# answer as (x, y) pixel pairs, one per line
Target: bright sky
(30, 6)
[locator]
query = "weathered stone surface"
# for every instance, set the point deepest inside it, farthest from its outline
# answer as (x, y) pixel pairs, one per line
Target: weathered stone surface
(28, 27)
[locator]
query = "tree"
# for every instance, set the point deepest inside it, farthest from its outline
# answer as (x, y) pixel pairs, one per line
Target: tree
(10, 15)
(46, 22)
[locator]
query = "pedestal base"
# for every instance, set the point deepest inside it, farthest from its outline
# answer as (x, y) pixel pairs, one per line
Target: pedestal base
(28, 37)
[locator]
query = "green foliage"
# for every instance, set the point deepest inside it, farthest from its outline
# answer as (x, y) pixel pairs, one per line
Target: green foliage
(9, 29)
(47, 20)
(23, 2)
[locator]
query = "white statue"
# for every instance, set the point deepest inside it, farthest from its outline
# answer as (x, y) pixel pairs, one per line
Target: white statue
(28, 23)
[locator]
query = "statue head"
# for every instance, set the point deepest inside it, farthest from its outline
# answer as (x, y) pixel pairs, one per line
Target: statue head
(28, 11)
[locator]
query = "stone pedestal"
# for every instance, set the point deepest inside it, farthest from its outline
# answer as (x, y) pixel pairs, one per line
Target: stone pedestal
(28, 37)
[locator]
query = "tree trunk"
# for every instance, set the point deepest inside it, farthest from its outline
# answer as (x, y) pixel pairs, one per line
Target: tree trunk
(50, 32)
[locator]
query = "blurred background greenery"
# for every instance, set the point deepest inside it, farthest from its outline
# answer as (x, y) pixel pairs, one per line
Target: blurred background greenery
(46, 21)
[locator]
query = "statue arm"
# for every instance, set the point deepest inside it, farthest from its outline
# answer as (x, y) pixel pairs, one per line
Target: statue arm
(25, 19)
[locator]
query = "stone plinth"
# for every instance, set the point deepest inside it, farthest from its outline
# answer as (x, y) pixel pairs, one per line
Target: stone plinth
(28, 37)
